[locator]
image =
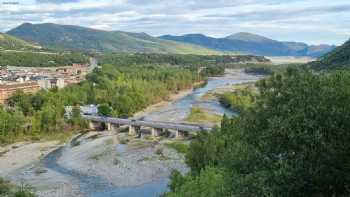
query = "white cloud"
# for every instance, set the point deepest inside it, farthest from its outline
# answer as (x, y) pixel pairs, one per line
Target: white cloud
(313, 21)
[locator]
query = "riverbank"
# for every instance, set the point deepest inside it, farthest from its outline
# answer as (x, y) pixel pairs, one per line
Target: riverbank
(171, 99)
(19, 155)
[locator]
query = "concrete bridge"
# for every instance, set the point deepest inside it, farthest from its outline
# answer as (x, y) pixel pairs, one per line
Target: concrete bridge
(134, 126)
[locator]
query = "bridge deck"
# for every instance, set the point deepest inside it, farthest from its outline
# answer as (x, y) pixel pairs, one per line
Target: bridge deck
(152, 124)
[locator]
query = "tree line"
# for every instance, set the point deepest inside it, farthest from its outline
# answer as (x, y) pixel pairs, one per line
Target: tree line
(40, 59)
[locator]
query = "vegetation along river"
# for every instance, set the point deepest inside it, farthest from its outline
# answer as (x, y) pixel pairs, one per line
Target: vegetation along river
(90, 179)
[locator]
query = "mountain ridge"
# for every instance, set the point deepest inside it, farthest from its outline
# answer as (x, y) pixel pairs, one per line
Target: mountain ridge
(70, 37)
(245, 42)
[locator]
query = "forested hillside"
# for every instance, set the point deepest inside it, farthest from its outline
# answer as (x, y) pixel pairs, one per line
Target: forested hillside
(67, 37)
(40, 59)
(292, 142)
(336, 59)
(8, 42)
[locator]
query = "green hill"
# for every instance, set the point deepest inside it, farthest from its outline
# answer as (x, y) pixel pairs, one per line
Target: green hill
(67, 37)
(335, 60)
(8, 42)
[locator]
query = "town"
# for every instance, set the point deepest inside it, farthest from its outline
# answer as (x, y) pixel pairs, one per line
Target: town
(33, 79)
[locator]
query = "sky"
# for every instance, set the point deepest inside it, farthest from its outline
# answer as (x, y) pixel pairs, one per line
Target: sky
(310, 21)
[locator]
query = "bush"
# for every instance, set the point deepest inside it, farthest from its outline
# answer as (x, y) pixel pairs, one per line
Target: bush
(178, 146)
(8, 189)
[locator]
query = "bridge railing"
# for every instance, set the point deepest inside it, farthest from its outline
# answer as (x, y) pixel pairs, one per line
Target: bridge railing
(152, 124)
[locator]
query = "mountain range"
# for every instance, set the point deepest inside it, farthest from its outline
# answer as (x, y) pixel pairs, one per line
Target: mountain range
(76, 38)
(253, 44)
(68, 37)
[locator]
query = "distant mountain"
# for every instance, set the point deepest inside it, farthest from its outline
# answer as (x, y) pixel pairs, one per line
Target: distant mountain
(8, 42)
(67, 37)
(339, 58)
(252, 44)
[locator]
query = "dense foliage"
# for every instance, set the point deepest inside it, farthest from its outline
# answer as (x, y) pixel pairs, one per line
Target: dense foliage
(40, 59)
(294, 142)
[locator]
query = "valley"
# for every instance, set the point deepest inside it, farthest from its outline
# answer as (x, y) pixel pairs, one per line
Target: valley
(101, 164)
(125, 99)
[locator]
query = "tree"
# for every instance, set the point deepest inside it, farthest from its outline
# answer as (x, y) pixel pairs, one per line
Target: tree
(205, 150)
(292, 142)
(295, 141)
(209, 183)
(104, 110)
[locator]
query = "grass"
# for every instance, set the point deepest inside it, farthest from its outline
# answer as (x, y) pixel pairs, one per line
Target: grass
(109, 142)
(159, 151)
(97, 156)
(145, 159)
(199, 115)
(62, 137)
(178, 146)
(138, 144)
(8, 189)
(123, 141)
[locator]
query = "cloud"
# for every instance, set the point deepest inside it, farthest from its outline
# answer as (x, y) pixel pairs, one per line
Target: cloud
(313, 21)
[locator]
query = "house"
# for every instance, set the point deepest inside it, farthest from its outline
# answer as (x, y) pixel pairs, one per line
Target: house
(7, 90)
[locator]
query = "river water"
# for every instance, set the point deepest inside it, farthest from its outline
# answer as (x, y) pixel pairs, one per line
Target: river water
(176, 111)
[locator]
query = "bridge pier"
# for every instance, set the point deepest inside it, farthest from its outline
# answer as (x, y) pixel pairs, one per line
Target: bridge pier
(180, 134)
(112, 127)
(94, 125)
(156, 132)
(134, 130)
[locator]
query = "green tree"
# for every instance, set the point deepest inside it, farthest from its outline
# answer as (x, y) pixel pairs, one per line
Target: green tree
(104, 110)
(205, 150)
(294, 143)
(209, 183)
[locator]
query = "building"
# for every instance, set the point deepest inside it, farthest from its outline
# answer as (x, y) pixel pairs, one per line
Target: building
(7, 90)
(51, 83)
(75, 69)
(84, 110)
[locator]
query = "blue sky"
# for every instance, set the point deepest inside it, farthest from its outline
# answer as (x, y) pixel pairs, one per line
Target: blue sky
(311, 21)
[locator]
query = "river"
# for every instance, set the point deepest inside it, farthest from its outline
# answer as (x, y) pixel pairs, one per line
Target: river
(95, 184)
(178, 110)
